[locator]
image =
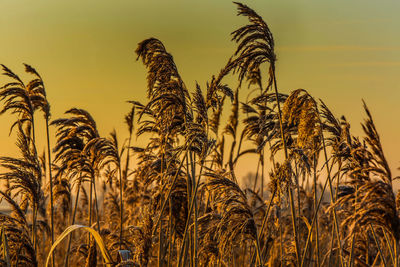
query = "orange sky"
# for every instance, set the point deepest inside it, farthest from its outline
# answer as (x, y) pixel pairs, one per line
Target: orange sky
(340, 51)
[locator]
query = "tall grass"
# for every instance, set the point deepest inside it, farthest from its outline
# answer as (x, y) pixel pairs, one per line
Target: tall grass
(177, 199)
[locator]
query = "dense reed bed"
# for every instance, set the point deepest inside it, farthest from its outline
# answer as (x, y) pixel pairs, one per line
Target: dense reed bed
(319, 197)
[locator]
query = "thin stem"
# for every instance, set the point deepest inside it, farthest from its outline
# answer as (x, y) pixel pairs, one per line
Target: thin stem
(396, 251)
(316, 210)
(121, 205)
(160, 237)
(331, 248)
(170, 237)
(389, 245)
(96, 205)
(51, 186)
(313, 221)
(378, 245)
(256, 178)
(194, 195)
(90, 208)
(189, 215)
(72, 223)
(260, 261)
(121, 184)
(264, 222)
(168, 195)
(280, 233)
(262, 174)
(353, 237)
(293, 212)
(296, 176)
(267, 213)
(330, 188)
(34, 237)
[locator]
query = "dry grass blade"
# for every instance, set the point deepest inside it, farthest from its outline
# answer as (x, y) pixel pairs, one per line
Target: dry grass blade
(96, 236)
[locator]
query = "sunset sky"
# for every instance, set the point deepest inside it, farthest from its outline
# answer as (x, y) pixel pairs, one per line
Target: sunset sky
(340, 51)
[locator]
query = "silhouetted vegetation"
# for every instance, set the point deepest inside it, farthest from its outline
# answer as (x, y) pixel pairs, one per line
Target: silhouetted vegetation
(93, 200)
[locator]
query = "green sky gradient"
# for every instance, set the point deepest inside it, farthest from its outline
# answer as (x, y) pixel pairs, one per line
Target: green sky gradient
(341, 51)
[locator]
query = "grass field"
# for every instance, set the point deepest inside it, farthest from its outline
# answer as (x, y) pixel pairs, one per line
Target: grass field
(319, 196)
